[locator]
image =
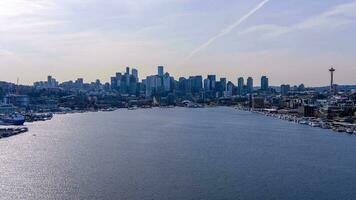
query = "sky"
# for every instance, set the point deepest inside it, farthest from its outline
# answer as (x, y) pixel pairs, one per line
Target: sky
(290, 41)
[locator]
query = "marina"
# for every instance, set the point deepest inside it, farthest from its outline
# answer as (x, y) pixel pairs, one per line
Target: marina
(340, 127)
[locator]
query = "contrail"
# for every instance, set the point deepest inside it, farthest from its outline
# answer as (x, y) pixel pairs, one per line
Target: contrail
(228, 29)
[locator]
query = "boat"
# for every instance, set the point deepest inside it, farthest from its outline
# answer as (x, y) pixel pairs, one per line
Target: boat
(339, 129)
(303, 122)
(132, 108)
(108, 109)
(315, 124)
(12, 119)
(325, 126)
(349, 131)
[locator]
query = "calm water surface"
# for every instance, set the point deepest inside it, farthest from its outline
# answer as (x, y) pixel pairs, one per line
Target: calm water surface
(215, 153)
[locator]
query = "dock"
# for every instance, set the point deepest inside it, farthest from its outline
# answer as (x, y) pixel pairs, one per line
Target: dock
(11, 131)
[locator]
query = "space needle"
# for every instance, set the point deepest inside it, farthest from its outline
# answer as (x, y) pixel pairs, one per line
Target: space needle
(332, 70)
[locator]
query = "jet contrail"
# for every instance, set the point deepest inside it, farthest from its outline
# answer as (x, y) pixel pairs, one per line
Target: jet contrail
(228, 29)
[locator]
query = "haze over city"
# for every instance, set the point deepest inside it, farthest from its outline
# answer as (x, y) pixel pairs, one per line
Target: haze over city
(292, 41)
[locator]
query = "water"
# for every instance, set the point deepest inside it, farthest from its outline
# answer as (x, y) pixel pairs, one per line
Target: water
(215, 153)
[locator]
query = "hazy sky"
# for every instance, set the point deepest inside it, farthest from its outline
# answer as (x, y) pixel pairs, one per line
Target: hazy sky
(291, 41)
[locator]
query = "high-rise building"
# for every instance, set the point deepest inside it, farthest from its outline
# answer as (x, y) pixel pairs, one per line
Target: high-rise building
(207, 85)
(250, 84)
(127, 70)
(134, 73)
(167, 82)
(264, 83)
(49, 81)
(285, 89)
(223, 84)
(240, 85)
(196, 84)
(212, 82)
(153, 85)
(230, 89)
(160, 70)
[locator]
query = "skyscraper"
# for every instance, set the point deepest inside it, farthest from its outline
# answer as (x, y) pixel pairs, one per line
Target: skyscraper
(223, 84)
(250, 84)
(212, 82)
(264, 83)
(167, 82)
(160, 70)
(240, 85)
(135, 74)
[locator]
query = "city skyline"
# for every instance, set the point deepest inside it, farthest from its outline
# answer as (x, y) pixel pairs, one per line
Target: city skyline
(256, 81)
(290, 42)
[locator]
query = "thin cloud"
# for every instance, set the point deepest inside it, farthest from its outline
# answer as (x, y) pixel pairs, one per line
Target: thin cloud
(228, 29)
(337, 16)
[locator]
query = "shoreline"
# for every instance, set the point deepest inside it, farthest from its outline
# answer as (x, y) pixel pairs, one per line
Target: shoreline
(339, 127)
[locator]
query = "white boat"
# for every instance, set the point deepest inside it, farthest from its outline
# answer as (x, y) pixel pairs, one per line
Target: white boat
(315, 124)
(349, 130)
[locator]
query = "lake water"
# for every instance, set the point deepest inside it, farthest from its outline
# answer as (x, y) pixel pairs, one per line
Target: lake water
(180, 153)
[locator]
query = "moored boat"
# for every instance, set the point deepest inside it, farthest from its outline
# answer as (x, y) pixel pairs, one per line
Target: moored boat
(12, 119)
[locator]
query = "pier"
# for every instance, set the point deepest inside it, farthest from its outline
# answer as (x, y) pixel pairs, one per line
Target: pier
(11, 131)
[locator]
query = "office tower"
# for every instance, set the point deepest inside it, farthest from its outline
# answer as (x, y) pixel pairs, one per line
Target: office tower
(127, 70)
(230, 89)
(153, 85)
(264, 83)
(113, 82)
(49, 81)
(223, 84)
(160, 70)
(207, 85)
(250, 84)
(240, 85)
(195, 84)
(212, 82)
(285, 89)
(167, 82)
(182, 85)
(134, 73)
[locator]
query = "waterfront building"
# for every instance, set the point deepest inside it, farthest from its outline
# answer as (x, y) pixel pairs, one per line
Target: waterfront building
(17, 100)
(258, 102)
